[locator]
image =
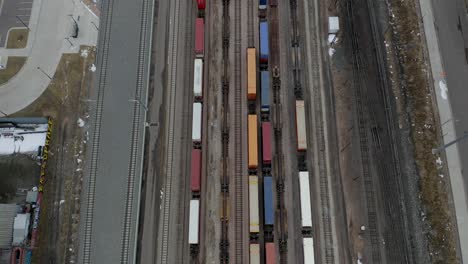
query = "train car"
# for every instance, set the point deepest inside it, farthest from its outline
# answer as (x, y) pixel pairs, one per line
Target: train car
(197, 124)
(264, 43)
(306, 216)
(273, 3)
(270, 253)
(308, 249)
(266, 143)
(254, 253)
(198, 79)
(265, 96)
(268, 207)
(195, 177)
(251, 74)
(301, 126)
(254, 219)
(199, 37)
(194, 221)
(262, 4)
(201, 4)
(253, 144)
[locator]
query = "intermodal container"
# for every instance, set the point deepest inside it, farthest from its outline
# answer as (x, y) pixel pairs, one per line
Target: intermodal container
(265, 84)
(251, 74)
(197, 122)
(308, 249)
(201, 4)
(196, 171)
(254, 221)
(253, 144)
(198, 79)
(300, 126)
(266, 143)
(262, 4)
(304, 190)
(268, 200)
(264, 42)
(270, 253)
(194, 221)
(199, 37)
(254, 254)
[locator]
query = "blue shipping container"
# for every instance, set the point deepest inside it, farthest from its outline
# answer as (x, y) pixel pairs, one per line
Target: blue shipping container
(264, 45)
(265, 84)
(262, 4)
(268, 200)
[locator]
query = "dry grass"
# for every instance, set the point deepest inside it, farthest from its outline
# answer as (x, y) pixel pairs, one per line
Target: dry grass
(13, 66)
(17, 38)
(424, 133)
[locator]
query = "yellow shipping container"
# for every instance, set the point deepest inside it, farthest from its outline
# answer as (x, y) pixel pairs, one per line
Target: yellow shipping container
(253, 144)
(251, 74)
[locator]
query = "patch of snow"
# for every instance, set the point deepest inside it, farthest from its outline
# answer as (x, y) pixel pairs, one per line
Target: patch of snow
(359, 261)
(92, 68)
(80, 122)
(441, 175)
(363, 228)
(84, 53)
(78, 160)
(331, 51)
(443, 89)
(62, 201)
(331, 38)
(439, 161)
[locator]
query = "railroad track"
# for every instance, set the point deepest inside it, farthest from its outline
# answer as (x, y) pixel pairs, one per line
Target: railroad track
(166, 204)
(102, 55)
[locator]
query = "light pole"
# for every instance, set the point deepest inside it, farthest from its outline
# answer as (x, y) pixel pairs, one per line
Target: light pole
(137, 100)
(443, 147)
(68, 39)
(3, 113)
(94, 24)
(40, 69)
(22, 22)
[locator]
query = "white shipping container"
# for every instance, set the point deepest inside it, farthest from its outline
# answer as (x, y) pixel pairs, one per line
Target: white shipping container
(198, 78)
(254, 254)
(193, 221)
(304, 189)
(333, 25)
(197, 122)
(308, 247)
(300, 126)
(253, 205)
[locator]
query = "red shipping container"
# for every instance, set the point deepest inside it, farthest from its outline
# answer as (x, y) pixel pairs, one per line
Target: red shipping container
(201, 4)
(270, 253)
(199, 37)
(196, 170)
(266, 142)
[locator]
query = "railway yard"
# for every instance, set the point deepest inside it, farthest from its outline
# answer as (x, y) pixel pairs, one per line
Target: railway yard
(253, 131)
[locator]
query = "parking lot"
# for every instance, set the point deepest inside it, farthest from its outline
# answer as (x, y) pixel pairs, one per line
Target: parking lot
(13, 13)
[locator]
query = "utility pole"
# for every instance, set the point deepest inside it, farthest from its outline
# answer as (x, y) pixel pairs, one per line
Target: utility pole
(68, 39)
(137, 100)
(22, 22)
(443, 147)
(41, 70)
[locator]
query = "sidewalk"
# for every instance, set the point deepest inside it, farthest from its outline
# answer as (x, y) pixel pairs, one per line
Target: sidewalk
(448, 129)
(50, 25)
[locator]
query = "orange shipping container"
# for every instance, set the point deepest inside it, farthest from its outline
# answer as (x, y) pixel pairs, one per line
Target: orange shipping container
(251, 74)
(253, 145)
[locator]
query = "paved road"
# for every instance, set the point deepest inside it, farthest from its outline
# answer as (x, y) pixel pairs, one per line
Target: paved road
(12, 15)
(50, 24)
(446, 32)
(114, 160)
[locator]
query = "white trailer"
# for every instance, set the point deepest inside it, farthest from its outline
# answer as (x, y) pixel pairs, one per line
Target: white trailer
(198, 79)
(254, 254)
(301, 126)
(197, 123)
(304, 189)
(254, 219)
(308, 248)
(194, 221)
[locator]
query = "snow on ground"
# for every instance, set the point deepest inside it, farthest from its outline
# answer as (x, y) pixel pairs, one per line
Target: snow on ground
(443, 89)
(80, 122)
(331, 51)
(92, 68)
(23, 139)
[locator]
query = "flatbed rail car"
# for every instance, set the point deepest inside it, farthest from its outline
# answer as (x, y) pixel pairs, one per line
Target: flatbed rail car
(198, 79)
(264, 43)
(251, 74)
(270, 253)
(195, 176)
(254, 219)
(266, 146)
(254, 253)
(301, 126)
(197, 125)
(265, 96)
(194, 225)
(306, 215)
(253, 144)
(308, 249)
(199, 37)
(268, 207)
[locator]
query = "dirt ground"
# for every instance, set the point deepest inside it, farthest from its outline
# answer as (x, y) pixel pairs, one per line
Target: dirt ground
(18, 172)
(17, 38)
(64, 102)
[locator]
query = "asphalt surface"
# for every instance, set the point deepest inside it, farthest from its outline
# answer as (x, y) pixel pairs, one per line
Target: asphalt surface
(116, 85)
(13, 14)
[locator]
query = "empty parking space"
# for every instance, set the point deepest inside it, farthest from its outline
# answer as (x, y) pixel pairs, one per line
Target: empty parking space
(13, 13)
